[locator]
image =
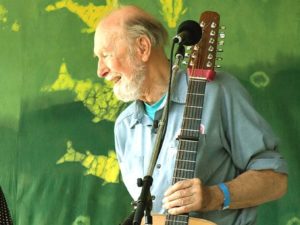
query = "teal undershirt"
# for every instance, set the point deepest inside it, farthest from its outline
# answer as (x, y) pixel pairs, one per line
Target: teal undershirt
(151, 109)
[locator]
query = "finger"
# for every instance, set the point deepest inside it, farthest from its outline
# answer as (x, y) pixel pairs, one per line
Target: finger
(183, 193)
(180, 210)
(179, 185)
(178, 202)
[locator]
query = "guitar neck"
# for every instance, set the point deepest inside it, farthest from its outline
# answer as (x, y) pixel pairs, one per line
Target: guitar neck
(188, 140)
(200, 70)
(190, 130)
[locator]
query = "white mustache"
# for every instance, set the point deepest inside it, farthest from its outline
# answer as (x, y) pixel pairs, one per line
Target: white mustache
(111, 76)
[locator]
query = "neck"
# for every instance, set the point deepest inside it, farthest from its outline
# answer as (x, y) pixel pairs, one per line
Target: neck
(157, 78)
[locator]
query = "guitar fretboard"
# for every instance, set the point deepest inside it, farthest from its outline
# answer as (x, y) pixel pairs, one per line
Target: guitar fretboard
(193, 109)
(188, 140)
(200, 70)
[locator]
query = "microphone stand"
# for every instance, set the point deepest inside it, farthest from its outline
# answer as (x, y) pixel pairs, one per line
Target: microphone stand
(143, 205)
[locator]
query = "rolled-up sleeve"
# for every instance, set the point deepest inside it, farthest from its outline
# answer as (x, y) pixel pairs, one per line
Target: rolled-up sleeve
(253, 145)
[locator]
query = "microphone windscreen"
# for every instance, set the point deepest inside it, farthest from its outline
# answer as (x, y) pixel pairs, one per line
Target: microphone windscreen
(192, 31)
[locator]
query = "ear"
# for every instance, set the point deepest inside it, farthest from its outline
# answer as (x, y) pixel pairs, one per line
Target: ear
(143, 47)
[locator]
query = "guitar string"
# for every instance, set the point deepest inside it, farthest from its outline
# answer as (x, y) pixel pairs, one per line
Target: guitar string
(185, 161)
(183, 169)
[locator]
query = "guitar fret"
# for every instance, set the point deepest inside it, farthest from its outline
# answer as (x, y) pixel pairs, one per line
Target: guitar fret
(194, 93)
(193, 112)
(182, 216)
(190, 130)
(191, 157)
(188, 161)
(182, 150)
(187, 151)
(179, 178)
(200, 79)
(176, 219)
(194, 106)
(189, 118)
(186, 142)
(195, 141)
(184, 169)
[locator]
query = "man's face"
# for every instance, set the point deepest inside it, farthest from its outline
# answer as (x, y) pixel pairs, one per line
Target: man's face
(116, 63)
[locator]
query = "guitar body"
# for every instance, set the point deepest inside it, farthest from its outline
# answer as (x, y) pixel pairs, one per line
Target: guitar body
(161, 219)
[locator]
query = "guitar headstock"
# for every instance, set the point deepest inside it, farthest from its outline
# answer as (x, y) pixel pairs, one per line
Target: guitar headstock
(203, 54)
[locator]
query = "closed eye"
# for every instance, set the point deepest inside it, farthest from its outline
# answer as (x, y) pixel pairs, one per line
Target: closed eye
(105, 55)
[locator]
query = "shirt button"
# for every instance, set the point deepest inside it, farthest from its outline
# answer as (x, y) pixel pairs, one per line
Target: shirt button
(158, 166)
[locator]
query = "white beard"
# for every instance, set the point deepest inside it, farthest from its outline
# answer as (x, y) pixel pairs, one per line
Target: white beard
(128, 90)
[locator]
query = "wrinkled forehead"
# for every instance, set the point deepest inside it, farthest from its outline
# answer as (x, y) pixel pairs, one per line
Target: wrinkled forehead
(107, 36)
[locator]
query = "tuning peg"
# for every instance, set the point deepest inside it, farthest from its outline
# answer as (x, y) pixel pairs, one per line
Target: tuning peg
(220, 50)
(222, 28)
(184, 62)
(212, 33)
(210, 56)
(187, 55)
(213, 25)
(194, 56)
(222, 35)
(209, 64)
(219, 58)
(211, 40)
(221, 42)
(217, 66)
(188, 48)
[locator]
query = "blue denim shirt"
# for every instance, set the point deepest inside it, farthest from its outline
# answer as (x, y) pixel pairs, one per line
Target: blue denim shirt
(235, 139)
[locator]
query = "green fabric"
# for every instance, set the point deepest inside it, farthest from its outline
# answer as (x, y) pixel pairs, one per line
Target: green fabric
(57, 160)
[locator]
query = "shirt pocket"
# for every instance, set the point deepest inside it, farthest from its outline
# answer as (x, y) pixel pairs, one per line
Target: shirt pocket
(132, 169)
(166, 163)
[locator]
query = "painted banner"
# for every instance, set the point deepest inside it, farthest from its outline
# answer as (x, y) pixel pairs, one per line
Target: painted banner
(57, 159)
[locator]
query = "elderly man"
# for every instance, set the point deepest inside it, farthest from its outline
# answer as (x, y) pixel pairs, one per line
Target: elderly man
(238, 165)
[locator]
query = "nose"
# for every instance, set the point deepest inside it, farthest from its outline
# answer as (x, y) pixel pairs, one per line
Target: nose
(102, 69)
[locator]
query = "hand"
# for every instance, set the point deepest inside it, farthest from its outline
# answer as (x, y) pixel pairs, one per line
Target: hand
(184, 196)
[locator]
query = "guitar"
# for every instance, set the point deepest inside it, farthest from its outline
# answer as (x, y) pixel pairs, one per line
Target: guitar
(200, 70)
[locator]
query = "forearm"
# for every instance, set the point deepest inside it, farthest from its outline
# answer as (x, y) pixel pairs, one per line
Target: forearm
(249, 189)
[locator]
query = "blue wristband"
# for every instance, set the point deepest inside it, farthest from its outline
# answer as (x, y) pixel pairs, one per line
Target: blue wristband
(226, 194)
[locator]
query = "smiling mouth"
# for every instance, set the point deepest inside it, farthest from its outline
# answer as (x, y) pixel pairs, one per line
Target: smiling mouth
(114, 80)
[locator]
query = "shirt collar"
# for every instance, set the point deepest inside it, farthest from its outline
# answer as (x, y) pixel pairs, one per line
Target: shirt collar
(138, 114)
(180, 88)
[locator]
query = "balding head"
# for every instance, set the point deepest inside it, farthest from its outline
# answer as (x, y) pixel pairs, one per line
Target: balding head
(120, 15)
(132, 22)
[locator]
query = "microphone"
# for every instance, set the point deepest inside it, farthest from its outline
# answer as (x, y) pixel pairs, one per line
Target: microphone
(189, 32)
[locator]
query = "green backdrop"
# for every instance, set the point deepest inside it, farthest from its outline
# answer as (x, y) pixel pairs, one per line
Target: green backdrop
(57, 160)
